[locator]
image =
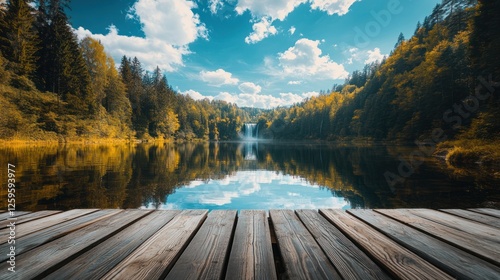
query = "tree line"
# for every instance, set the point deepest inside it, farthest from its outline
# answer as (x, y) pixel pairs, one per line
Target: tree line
(427, 82)
(54, 86)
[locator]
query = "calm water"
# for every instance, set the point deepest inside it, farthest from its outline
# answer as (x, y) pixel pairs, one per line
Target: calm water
(236, 176)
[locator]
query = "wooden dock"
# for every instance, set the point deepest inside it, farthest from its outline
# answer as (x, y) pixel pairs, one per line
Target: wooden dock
(276, 244)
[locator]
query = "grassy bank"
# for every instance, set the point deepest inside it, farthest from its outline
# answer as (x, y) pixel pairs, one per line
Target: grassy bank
(463, 153)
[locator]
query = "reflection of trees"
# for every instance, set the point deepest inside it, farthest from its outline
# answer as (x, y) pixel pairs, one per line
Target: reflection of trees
(128, 176)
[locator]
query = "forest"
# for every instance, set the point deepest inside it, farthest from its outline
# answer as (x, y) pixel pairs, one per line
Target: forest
(437, 85)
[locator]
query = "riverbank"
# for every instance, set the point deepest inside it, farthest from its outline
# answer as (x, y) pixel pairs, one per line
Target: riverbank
(463, 153)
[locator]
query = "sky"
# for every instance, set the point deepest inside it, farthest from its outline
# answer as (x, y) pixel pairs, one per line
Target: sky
(255, 53)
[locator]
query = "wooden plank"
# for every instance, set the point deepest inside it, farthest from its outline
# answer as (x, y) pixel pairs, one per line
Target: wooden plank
(474, 216)
(29, 217)
(348, 259)
(40, 237)
(477, 229)
(38, 224)
(450, 259)
(43, 260)
(155, 256)
(399, 261)
(98, 261)
(485, 249)
(487, 211)
(6, 215)
(206, 255)
(302, 256)
(251, 254)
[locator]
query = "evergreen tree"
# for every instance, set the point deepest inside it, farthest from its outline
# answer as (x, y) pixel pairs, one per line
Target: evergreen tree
(19, 40)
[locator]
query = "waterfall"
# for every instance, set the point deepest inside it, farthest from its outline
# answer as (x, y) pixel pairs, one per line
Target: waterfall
(251, 131)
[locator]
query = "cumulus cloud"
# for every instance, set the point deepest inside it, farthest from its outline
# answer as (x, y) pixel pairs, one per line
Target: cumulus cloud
(169, 27)
(218, 77)
(261, 29)
(374, 55)
(292, 30)
(294, 82)
(304, 59)
(339, 7)
(215, 5)
(196, 95)
(263, 100)
(280, 9)
(250, 88)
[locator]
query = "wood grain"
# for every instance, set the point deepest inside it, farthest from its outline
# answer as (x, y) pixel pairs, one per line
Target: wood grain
(348, 259)
(43, 260)
(399, 261)
(474, 216)
(487, 211)
(302, 256)
(450, 259)
(251, 254)
(98, 261)
(6, 215)
(155, 257)
(477, 229)
(206, 255)
(480, 247)
(29, 217)
(41, 223)
(41, 237)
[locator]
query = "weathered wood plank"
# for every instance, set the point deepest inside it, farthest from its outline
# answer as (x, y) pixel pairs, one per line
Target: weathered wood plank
(477, 229)
(302, 256)
(156, 256)
(98, 261)
(206, 255)
(482, 248)
(474, 216)
(40, 237)
(348, 259)
(251, 254)
(29, 217)
(42, 223)
(399, 261)
(450, 259)
(487, 211)
(6, 215)
(43, 260)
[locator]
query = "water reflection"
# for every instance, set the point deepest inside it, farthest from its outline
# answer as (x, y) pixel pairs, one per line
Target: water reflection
(258, 189)
(234, 175)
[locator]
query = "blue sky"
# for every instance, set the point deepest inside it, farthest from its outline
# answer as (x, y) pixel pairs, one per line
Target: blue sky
(256, 53)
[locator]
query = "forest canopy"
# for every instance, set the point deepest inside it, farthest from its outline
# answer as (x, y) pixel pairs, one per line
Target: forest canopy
(56, 87)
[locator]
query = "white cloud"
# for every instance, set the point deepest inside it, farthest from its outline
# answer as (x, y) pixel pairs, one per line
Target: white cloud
(250, 88)
(261, 29)
(292, 30)
(218, 77)
(374, 55)
(196, 95)
(305, 59)
(215, 5)
(339, 7)
(276, 9)
(263, 100)
(280, 9)
(169, 27)
(294, 82)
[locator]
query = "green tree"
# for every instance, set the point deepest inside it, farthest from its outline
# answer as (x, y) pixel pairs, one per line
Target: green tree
(19, 40)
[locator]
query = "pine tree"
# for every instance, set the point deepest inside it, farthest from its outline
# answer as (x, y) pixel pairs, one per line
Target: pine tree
(19, 41)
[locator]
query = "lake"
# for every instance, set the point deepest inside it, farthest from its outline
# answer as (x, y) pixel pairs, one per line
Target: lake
(237, 175)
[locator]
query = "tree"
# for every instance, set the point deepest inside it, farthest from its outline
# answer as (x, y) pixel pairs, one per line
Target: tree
(96, 61)
(19, 40)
